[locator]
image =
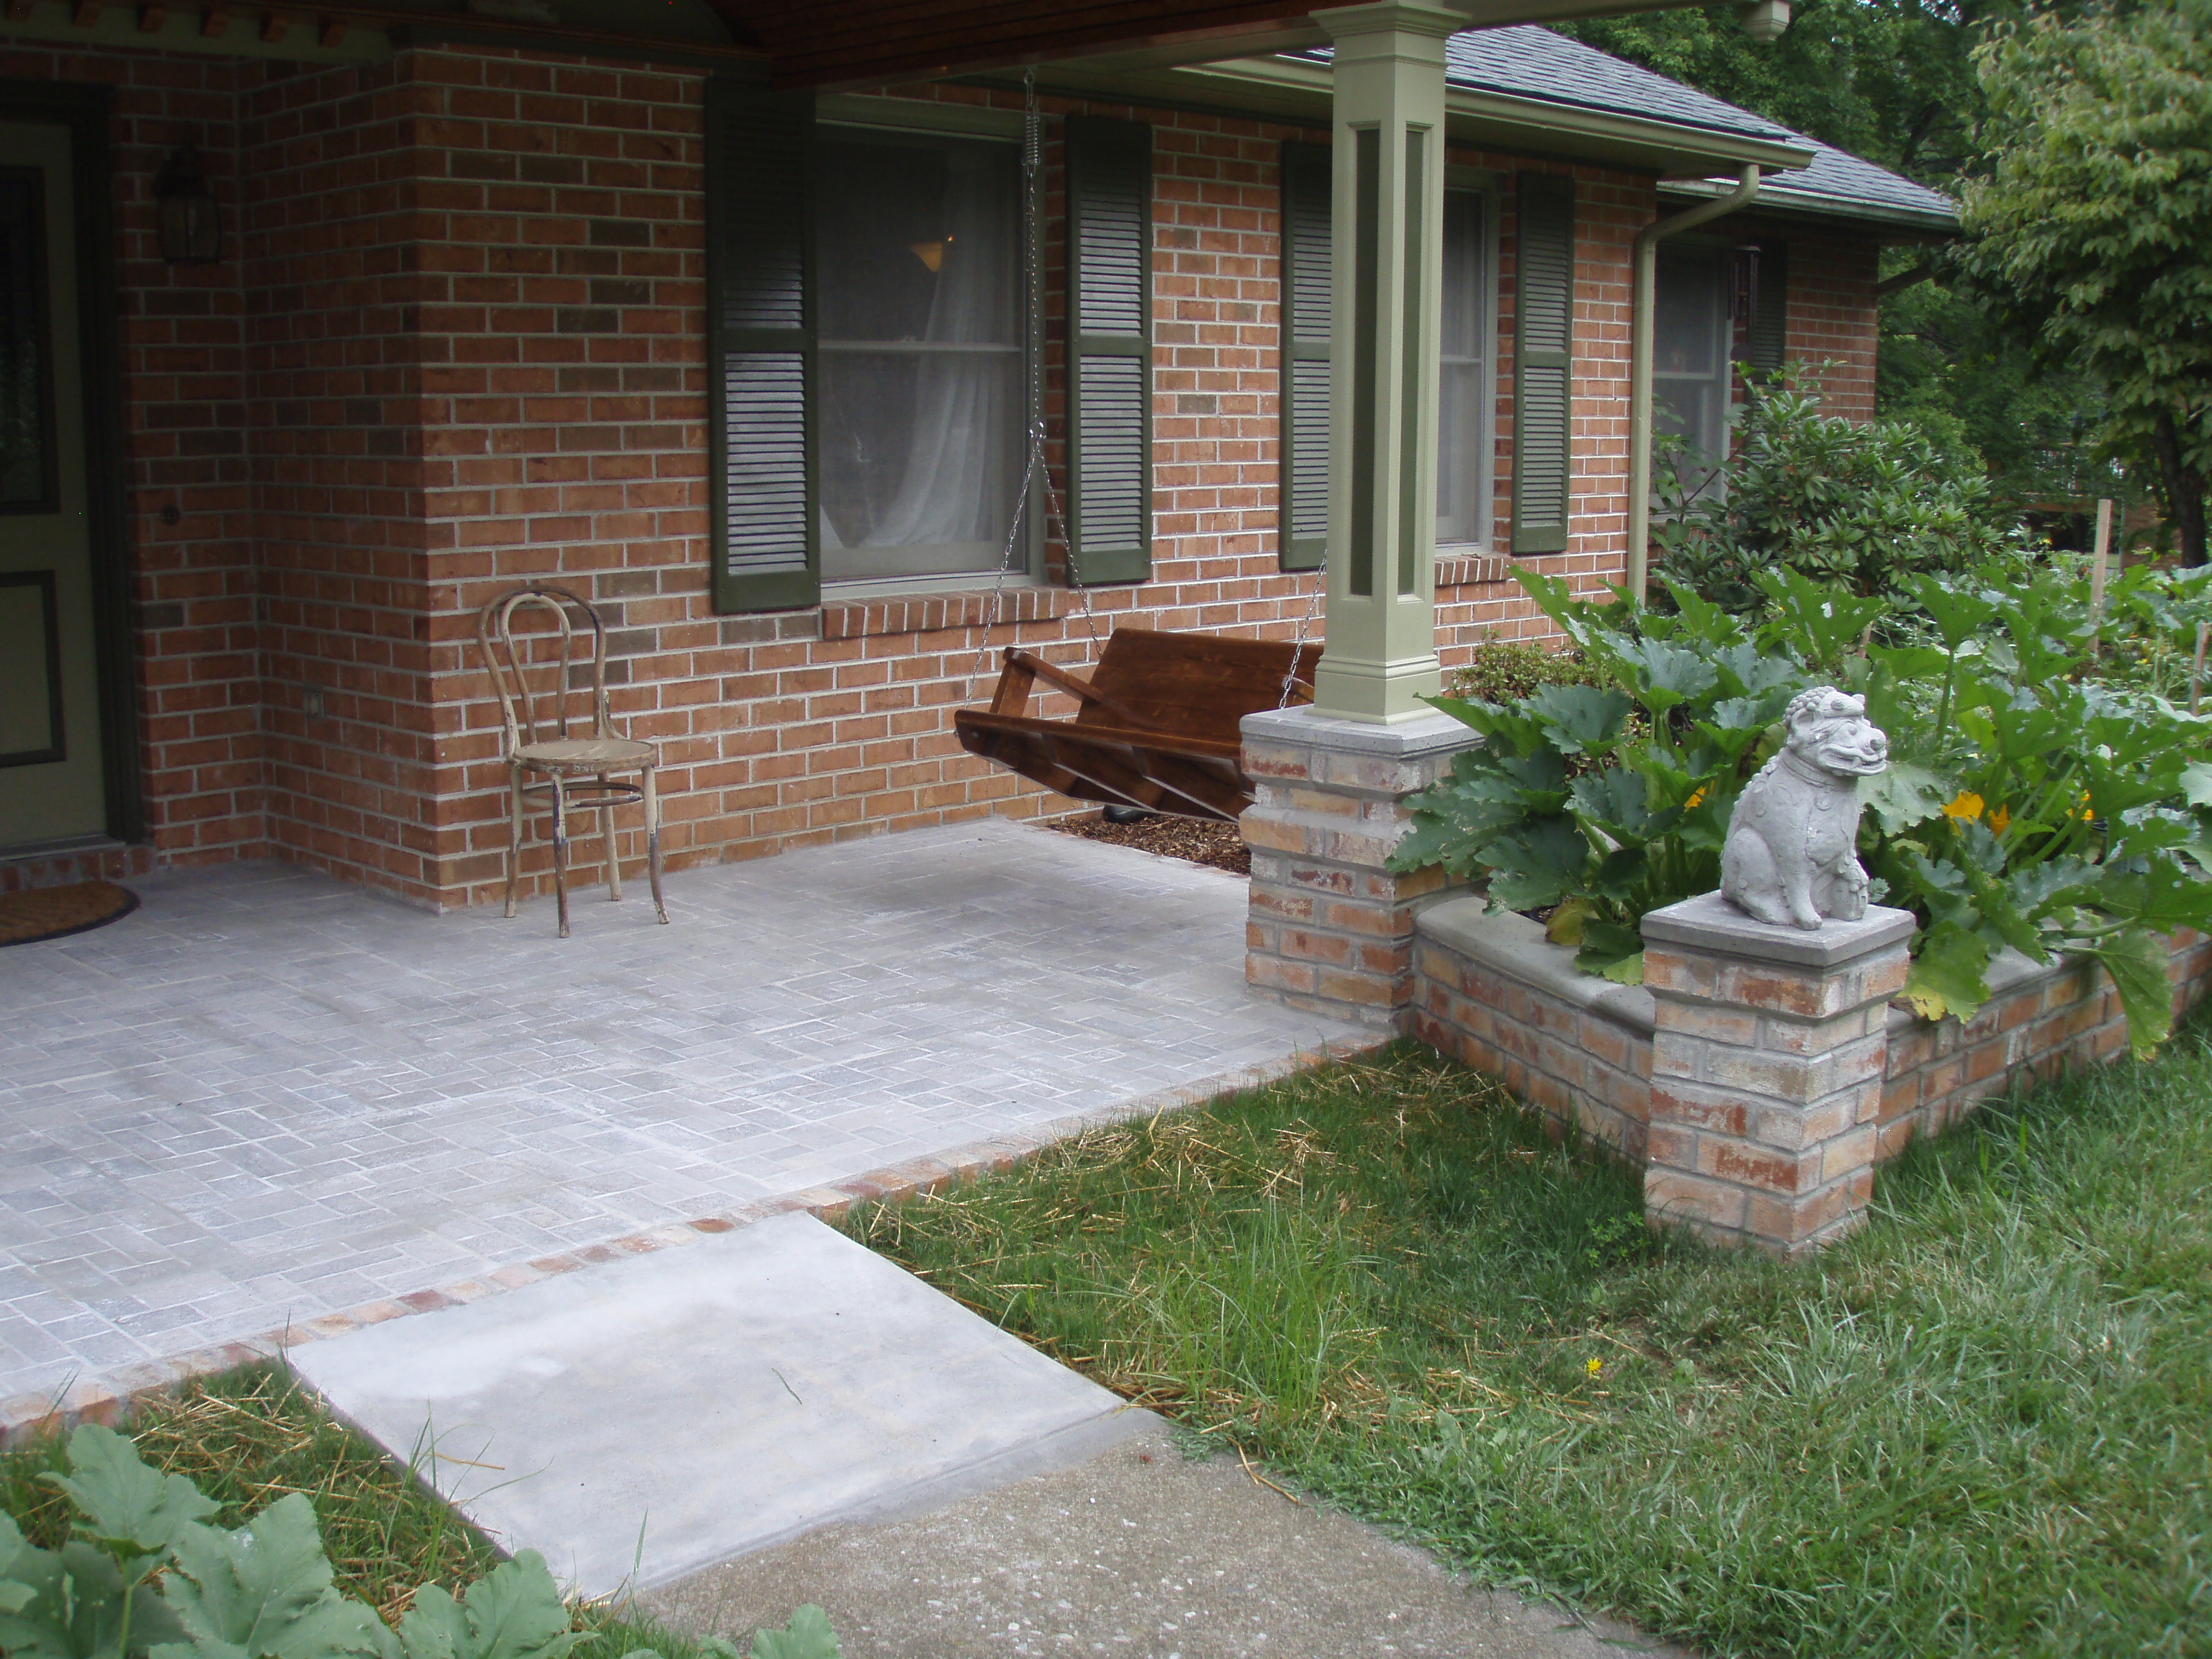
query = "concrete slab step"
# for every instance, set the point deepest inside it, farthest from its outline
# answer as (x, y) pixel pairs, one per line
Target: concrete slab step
(639, 1420)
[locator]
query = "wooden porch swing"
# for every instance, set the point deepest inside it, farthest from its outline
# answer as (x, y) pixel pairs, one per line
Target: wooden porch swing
(1156, 725)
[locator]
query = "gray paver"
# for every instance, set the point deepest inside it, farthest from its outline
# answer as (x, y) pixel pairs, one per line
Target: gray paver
(641, 1419)
(269, 1095)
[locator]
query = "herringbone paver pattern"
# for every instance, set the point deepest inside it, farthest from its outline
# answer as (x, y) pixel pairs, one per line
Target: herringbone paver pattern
(269, 1095)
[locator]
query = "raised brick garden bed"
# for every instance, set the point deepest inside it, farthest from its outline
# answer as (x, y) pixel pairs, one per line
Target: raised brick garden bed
(1489, 990)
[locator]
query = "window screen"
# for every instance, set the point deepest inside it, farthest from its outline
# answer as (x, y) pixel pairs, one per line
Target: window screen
(1465, 395)
(1690, 361)
(921, 351)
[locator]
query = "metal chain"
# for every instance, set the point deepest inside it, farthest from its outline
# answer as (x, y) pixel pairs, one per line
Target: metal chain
(1305, 626)
(1035, 468)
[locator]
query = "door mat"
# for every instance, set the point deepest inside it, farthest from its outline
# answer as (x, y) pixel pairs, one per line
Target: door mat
(50, 912)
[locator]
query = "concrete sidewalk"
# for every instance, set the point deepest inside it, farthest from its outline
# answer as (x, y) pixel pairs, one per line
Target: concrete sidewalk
(780, 1415)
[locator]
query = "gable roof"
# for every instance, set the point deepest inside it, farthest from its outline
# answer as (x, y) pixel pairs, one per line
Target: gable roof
(1528, 63)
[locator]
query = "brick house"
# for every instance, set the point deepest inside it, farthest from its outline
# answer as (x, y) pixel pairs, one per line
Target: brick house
(495, 294)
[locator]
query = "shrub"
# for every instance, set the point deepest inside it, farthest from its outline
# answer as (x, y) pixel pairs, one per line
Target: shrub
(1504, 671)
(1860, 506)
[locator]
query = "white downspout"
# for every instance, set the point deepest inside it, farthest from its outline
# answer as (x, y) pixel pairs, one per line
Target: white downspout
(1639, 368)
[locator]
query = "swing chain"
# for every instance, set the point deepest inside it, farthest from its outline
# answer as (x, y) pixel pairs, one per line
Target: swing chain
(1035, 468)
(1305, 626)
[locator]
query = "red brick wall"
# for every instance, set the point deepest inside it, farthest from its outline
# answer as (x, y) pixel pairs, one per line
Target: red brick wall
(1832, 317)
(333, 158)
(460, 344)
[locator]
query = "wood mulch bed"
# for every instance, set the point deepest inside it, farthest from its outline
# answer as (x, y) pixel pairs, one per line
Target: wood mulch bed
(1201, 840)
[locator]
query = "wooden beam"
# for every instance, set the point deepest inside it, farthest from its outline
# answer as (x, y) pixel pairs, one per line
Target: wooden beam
(215, 22)
(333, 31)
(19, 10)
(85, 13)
(150, 19)
(273, 26)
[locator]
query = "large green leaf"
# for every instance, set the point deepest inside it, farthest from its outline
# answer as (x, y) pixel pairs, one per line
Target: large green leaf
(1612, 952)
(74, 1608)
(1614, 800)
(1904, 795)
(2137, 960)
(1579, 718)
(514, 1611)
(1536, 864)
(263, 1591)
(1668, 676)
(807, 1637)
(133, 1512)
(1958, 614)
(1946, 977)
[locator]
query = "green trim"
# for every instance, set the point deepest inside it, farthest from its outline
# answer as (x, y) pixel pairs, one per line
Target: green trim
(87, 112)
(780, 219)
(1543, 359)
(1366, 309)
(1307, 186)
(1105, 155)
(1414, 354)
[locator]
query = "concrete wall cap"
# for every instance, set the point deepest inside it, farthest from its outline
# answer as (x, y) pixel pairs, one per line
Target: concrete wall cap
(1425, 735)
(1513, 946)
(1710, 923)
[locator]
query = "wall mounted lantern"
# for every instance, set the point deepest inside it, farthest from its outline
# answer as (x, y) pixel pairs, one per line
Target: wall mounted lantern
(191, 227)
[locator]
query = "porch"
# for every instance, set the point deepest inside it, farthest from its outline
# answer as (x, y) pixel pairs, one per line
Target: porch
(271, 1098)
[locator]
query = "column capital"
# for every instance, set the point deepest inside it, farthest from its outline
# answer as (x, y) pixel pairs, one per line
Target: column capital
(1389, 17)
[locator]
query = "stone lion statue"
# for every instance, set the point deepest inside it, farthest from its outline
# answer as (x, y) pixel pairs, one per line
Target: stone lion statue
(1790, 858)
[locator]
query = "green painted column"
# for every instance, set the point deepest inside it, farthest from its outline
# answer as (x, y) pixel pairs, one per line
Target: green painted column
(1388, 257)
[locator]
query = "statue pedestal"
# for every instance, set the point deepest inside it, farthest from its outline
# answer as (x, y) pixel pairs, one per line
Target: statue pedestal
(1767, 1062)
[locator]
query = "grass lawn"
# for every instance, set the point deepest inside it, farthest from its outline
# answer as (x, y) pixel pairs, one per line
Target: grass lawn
(250, 1436)
(1979, 1427)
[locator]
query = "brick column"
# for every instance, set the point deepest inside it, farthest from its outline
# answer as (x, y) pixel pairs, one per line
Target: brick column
(1766, 1070)
(1330, 929)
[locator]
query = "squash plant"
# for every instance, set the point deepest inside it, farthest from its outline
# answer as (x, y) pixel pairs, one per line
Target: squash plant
(146, 1576)
(2028, 804)
(1600, 802)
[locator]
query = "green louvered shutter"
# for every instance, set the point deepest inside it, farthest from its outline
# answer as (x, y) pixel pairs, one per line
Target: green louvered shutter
(1543, 362)
(1307, 188)
(1110, 353)
(760, 350)
(1767, 339)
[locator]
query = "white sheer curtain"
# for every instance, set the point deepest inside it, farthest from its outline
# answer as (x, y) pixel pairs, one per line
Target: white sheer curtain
(922, 355)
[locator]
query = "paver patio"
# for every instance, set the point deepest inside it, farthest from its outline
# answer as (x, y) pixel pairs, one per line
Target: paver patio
(269, 1095)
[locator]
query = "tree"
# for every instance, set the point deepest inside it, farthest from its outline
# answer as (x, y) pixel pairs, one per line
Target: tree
(2090, 236)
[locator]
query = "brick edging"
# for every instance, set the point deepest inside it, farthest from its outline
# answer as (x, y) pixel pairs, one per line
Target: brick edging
(111, 1396)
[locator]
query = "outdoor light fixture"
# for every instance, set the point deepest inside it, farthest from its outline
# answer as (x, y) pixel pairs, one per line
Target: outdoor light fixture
(191, 230)
(1765, 20)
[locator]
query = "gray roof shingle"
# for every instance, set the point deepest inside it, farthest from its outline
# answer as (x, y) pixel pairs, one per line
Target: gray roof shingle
(1529, 61)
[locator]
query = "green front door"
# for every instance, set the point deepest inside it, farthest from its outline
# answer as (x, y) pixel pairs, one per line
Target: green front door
(51, 773)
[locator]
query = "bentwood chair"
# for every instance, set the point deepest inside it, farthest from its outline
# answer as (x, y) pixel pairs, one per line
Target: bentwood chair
(536, 671)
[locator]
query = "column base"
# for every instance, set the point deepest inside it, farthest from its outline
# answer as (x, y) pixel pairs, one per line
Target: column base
(1330, 929)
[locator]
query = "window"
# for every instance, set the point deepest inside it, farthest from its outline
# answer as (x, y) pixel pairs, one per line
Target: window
(868, 346)
(1466, 396)
(1466, 389)
(920, 332)
(1690, 361)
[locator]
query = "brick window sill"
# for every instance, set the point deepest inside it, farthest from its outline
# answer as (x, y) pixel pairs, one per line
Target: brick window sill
(1471, 569)
(852, 619)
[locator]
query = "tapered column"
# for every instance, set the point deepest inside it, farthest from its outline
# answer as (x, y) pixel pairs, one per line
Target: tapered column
(1388, 267)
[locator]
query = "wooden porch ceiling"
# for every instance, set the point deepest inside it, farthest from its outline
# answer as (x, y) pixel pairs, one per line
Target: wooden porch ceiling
(866, 43)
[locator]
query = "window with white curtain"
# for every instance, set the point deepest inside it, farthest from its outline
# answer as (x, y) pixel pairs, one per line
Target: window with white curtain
(1467, 398)
(1690, 361)
(921, 329)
